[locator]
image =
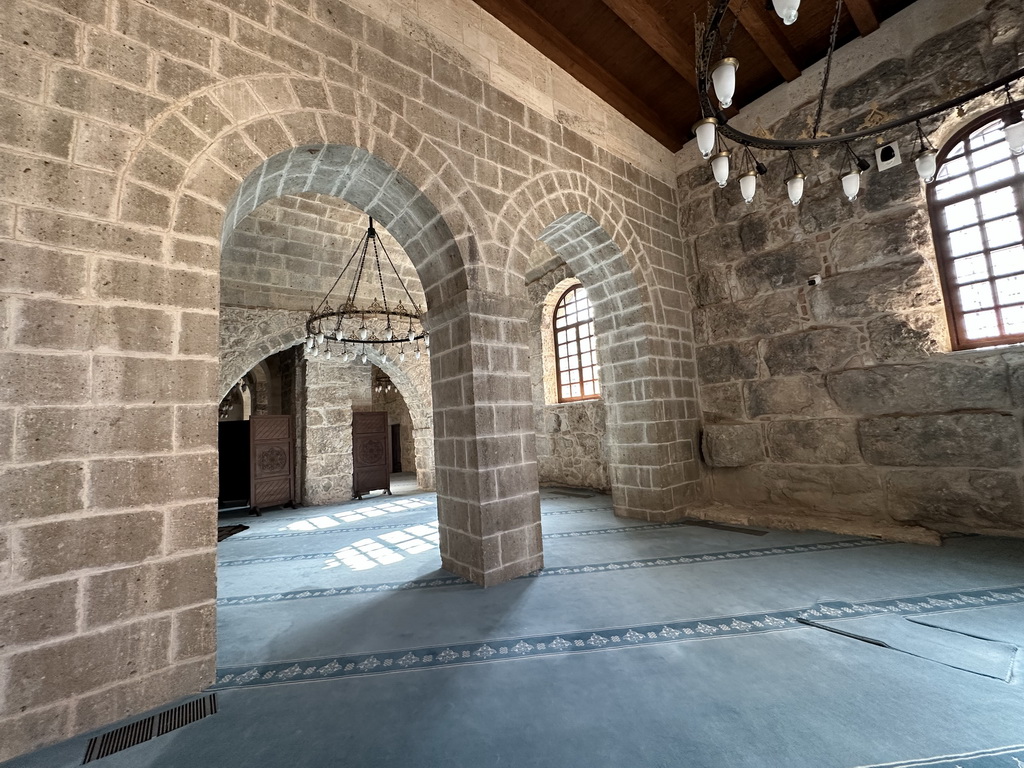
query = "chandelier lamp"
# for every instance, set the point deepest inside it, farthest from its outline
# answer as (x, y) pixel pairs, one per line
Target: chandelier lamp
(720, 79)
(362, 323)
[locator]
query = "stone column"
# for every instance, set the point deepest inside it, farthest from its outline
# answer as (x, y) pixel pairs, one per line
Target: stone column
(487, 496)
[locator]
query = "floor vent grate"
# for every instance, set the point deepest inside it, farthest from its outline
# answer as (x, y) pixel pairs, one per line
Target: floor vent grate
(155, 725)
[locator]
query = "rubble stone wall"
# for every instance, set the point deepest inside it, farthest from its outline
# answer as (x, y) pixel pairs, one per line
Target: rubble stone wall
(840, 404)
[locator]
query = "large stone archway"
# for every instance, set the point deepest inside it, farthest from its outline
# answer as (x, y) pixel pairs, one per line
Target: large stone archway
(647, 369)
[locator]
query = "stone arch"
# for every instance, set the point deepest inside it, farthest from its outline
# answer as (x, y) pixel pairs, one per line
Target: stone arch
(182, 188)
(650, 434)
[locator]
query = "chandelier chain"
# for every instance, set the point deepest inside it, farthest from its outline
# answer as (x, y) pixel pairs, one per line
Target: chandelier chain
(828, 69)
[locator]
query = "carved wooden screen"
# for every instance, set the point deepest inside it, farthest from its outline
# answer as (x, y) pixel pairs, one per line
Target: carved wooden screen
(271, 450)
(371, 454)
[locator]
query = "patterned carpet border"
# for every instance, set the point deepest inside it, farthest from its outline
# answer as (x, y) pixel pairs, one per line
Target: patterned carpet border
(573, 570)
(566, 643)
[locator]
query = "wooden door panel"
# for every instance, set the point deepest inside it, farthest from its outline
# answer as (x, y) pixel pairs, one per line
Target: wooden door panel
(371, 453)
(273, 462)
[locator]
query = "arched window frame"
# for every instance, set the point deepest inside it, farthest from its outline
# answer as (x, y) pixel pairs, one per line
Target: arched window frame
(580, 332)
(955, 313)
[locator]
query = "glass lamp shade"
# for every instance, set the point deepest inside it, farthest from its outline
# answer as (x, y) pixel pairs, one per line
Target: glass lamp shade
(720, 167)
(723, 77)
(787, 10)
(705, 130)
(319, 338)
(1015, 137)
(795, 188)
(851, 184)
(310, 342)
(926, 165)
(748, 185)
(327, 354)
(316, 351)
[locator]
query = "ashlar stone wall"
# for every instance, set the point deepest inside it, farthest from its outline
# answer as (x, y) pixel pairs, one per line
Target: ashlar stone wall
(839, 405)
(141, 134)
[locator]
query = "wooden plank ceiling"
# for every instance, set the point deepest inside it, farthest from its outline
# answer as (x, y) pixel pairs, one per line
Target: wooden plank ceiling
(638, 55)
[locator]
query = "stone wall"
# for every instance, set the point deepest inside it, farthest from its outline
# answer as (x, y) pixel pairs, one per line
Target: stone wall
(392, 402)
(838, 405)
(142, 134)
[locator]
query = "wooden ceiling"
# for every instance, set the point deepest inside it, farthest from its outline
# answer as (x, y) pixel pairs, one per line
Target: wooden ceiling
(638, 55)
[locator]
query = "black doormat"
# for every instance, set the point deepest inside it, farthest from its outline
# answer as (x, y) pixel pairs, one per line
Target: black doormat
(224, 531)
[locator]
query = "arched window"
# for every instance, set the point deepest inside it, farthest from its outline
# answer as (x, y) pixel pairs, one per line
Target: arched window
(575, 347)
(977, 212)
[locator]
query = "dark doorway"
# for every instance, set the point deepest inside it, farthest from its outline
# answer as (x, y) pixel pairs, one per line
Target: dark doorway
(396, 447)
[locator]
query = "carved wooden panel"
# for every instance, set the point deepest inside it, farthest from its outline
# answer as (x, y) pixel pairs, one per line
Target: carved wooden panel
(371, 453)
(272, 453)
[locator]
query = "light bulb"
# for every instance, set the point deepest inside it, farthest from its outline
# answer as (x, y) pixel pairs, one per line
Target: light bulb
(417, 353)
(1015, 136)
(426, 340)
(320, 338)
(364, 358)
(926, 165)
(316, 351)
(388, 333)
(310, 342)
(723, 77)
(787, 10)
(412, 335)
(705, 130)
(364, 333)
(851, 184)
(401, 357)
(748, 185)
(795, 187)
(720, 167)
(327, 354)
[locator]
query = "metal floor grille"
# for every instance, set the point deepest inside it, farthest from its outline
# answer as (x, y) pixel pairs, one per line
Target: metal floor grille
(155, 725)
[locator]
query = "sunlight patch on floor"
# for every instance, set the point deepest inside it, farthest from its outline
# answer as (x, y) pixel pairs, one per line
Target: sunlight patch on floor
(387, 548)
(321, 522)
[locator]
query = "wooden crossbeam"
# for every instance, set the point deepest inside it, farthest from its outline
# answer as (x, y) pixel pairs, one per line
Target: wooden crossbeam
(542, 35)
(765, 31)
(653, 28)
(863, 16)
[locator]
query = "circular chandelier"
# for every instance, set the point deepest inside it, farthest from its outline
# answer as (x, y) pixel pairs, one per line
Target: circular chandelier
(359, 323)
(717, 71)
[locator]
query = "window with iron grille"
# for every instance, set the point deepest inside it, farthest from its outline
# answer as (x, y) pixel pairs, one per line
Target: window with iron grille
(977, 212)
(575, 347)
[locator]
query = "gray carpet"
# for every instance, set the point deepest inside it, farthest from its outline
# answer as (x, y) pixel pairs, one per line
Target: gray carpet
(342, 643)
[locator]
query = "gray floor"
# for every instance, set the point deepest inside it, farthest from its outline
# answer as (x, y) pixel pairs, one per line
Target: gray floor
(342, 643)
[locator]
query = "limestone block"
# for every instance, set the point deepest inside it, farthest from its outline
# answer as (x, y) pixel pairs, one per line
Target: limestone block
(722, 402)
(766, 315)
(49, 549)
(33, 729)
(957, 499)
(51, 433)
(192, 526)
(814, 351)
(788, 395)
(709, 287)
(40, 490)
(822, 209)
(814, 441)
(843, 490)
(116, 595)
(726, 362)
(964, 440)
(42, 613)
(760, 232)
(719, 246)
(908, 335)
(195, 632)
(155, 480)
(895, 287)
(899, 237)
(786, 267)
(886, 77)
(935, 387)
(732, 445)
(36, 129)
(87, 662)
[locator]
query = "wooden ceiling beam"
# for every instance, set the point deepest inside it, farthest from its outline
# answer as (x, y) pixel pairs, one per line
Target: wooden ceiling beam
(654, 30)
(765, 31)
(863, 16)
(542, 35)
